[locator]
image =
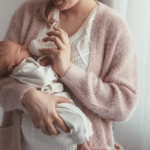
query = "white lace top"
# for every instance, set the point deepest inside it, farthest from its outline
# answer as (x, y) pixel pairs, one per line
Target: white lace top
(80, 54)
(79, 42)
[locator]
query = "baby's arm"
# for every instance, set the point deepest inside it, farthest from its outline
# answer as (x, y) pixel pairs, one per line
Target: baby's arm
(46, 61)
(78, 123)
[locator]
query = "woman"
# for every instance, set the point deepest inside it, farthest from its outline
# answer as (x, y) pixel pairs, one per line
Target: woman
(102, 78)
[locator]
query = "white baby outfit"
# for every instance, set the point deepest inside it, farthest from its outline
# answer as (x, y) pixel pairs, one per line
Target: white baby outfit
(80, 54)
(45, 80)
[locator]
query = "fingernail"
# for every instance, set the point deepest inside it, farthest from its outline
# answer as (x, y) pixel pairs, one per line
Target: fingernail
(70, 100)
(66, 39)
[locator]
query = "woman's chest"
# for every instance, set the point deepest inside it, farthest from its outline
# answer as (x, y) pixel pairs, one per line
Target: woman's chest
(70, 26)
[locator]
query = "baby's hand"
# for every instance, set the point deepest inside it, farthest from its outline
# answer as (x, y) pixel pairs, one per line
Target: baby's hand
(46, 61)
(83, 146)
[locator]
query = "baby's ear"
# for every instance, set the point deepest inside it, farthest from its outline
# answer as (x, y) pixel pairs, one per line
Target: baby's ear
(11, 67)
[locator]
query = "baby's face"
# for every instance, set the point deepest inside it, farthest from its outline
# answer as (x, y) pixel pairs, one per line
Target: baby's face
(16, 53)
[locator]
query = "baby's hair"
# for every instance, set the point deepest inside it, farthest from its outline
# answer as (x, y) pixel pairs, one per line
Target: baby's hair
(3, 66)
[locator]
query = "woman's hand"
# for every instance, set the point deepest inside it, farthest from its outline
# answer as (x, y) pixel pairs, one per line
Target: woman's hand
(62, 53)
(41, 108)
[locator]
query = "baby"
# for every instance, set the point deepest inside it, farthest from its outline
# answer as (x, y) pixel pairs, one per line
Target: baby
(17, 62)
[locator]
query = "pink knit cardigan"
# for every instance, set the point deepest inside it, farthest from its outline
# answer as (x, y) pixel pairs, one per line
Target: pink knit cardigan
(107, 89)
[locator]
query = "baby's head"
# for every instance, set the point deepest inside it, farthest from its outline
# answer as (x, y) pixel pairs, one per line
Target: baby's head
(11, 55)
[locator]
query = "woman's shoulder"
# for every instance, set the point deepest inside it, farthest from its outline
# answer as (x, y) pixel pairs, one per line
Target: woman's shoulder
(30, 7)
(112, 21)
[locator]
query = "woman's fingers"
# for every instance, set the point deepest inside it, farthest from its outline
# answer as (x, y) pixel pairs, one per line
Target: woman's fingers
(61, 99)
(60, 35)
(62, 55)
(51, 128)
(44, 129)
(59, 122)
(47, 127)
(56, 40)
(43, 113)
(35, 124)
(53, 52)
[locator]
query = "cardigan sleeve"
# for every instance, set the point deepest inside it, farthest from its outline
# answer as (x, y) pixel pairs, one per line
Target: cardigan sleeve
(114, 97)
(14, 30)
(11, 90)
(11, 94)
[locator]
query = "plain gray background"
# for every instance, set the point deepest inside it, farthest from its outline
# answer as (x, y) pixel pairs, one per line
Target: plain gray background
(7, 9)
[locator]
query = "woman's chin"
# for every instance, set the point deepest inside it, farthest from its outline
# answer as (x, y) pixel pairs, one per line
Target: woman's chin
(57, 2)
(59, 5)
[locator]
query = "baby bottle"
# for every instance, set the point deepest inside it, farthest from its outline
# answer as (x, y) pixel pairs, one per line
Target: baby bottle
(36, 45)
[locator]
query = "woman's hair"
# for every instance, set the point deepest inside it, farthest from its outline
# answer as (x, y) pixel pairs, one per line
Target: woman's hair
(46, 11)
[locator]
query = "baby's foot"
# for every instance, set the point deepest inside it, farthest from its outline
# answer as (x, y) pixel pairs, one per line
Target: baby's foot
(83, 146)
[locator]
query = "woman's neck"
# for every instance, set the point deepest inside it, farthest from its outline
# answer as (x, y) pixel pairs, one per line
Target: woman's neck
(80, 10)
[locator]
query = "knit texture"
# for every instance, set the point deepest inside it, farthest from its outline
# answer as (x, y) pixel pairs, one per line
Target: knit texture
(79, 43)
(107, 89)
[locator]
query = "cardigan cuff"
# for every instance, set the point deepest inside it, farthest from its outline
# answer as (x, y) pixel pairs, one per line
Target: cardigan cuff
(20, 103)
(73, 75)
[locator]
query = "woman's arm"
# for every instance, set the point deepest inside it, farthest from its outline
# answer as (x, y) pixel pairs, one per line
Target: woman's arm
(11, 93)
(114, 97)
